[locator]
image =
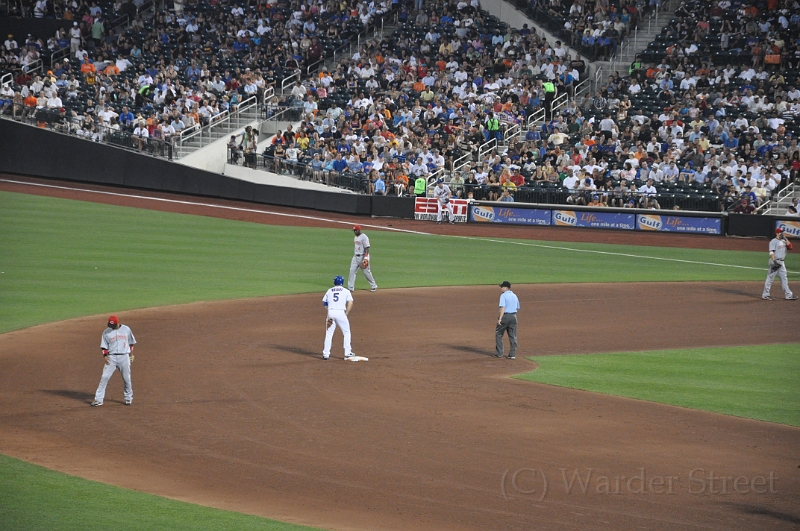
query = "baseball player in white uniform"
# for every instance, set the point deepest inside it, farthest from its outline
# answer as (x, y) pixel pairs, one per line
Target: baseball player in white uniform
(777, 253)
(117, 346)
(338, 301)
(360, 260)
(443, 194)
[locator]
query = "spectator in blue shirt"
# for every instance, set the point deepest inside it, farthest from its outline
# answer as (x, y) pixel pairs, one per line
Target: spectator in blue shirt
(380, 186)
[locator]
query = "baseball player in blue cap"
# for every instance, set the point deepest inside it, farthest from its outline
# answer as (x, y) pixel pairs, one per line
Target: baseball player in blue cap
(443, 194)
(339, 302)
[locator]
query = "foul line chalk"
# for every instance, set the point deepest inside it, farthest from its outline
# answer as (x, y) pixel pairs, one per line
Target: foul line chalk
(408, 231)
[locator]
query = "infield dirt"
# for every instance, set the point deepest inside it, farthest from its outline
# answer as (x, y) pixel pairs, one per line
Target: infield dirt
(234, 408)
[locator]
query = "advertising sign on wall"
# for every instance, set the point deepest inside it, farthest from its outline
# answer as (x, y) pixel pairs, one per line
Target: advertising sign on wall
(513, 216)
(791, 228)
(427, 208)
(696, 225)
(595, 220)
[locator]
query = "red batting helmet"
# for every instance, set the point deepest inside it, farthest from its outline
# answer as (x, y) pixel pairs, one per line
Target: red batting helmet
(113, 320)
(357, 227)
(778, 230)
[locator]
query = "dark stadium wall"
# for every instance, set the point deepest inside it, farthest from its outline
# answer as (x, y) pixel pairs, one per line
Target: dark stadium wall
(749, 225)
(37, 152)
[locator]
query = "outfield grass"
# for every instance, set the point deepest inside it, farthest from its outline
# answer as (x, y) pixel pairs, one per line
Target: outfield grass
(32, 498)
(61, 259)
(758, 382)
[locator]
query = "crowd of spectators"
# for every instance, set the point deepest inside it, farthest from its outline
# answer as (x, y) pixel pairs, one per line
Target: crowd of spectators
(595, 28)
(407, 106)
(685, 126)
(181, 68)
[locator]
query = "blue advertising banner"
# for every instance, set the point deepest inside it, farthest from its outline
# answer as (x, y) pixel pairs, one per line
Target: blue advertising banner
(515, 216)
(595, 220)
(655, 222)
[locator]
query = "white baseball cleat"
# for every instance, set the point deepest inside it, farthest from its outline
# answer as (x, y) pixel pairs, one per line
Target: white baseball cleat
(96, 403)
(374, 289)
(128, 402)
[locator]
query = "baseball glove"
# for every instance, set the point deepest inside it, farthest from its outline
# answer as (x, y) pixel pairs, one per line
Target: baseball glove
(776, 265)
(131, 356)
(446, 200)
(365, 263)
(328, 323)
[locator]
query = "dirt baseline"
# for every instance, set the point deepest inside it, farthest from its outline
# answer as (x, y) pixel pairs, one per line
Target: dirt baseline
(234, 408)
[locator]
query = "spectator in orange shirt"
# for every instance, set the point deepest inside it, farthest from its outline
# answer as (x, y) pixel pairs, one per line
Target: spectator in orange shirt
(87, 66)
(30, 105)
(111, 70)
(400, 183)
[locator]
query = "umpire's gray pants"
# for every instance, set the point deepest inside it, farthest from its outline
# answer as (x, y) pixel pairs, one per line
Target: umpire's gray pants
(771, 277)
(507, 323)
(355, 265)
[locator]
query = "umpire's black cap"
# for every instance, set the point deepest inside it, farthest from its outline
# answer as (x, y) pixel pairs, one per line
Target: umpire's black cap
(505, 284)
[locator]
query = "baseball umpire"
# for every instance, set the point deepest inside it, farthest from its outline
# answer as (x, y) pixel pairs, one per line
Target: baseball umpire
(117, 345)
(507, 321)
(777, 254)
(360, 260)
(338, 302)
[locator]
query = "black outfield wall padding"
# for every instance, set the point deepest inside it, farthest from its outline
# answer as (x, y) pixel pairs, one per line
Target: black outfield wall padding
(750, 225)
(37, 152)
(393, 207)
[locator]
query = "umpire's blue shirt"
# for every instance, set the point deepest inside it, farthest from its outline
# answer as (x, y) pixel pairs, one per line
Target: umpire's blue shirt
(509, 301)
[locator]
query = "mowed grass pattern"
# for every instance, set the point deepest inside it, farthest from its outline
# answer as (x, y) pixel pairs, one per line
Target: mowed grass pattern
(758, 382)
(61, 259)
(35, 498)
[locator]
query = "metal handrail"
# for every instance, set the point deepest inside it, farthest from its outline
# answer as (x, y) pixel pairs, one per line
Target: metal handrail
(224, 118)
(283, 83)
(536, 117)
(6, 79)
(487, 147)
(582, 87)
(559, 101)
(33, 66)
(462, 161)
(58, 54)
(59, 123)
(122, 21)
(512, 131)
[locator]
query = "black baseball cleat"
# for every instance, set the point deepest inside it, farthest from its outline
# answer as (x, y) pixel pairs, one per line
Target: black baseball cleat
(438, 222)
(768, 298)
(512, 357)
(498, 356)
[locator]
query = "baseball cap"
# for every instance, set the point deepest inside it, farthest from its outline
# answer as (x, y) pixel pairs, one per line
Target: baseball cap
(356, 227)
(439, 181)
(505, 284)
(113, 320)
(778, 230)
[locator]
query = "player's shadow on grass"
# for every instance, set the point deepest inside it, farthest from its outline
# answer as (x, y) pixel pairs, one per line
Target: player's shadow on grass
(471, 350)
(298, 350)
(81, 396)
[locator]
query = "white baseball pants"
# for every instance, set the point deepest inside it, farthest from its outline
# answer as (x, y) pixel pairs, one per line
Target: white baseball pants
(121, 362)
(771, 277)
(339, 319)
(442, 207)
(355, 265)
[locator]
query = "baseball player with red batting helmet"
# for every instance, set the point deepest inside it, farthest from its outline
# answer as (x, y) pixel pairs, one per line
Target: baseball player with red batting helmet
(117, 346)
(777, 253)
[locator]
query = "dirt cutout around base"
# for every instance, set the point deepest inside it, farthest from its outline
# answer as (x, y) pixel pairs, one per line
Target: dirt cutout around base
(234, 408)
